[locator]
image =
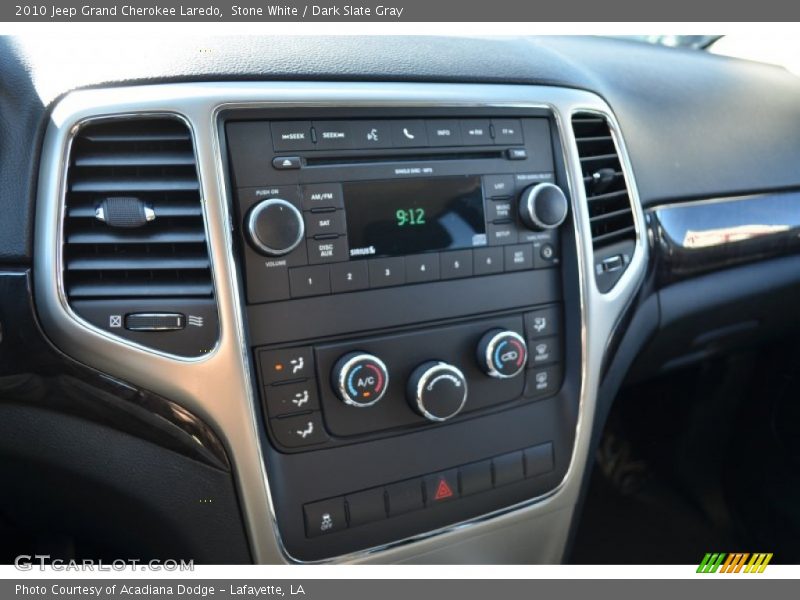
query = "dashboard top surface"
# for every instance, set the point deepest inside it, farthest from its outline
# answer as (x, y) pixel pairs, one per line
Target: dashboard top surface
(741, 118)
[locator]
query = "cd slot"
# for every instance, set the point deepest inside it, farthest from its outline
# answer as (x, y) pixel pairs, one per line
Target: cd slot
(374, 158)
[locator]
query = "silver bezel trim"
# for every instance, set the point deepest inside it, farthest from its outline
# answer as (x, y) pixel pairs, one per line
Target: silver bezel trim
(200, 383)
(488, 356)
(342, 384)
(423, 380)
(251, 224)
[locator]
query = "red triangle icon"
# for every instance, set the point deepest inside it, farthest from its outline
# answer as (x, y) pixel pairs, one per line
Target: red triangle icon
(443, 491)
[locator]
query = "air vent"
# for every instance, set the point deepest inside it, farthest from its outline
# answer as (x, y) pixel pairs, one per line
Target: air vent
(134, 234)
(610, 213)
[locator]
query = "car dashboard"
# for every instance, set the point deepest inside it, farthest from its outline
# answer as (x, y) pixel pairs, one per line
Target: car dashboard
(379, 312)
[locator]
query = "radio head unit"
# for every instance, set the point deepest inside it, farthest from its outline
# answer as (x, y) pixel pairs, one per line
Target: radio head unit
(405, 299)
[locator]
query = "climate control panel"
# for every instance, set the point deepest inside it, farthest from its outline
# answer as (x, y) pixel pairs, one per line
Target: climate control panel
(336, 393)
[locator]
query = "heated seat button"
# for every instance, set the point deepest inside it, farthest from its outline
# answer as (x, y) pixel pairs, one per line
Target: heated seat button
(289, 398)
(366, 507)
(538, 460)
(299, 431)
(404, 497)
(441, 487)
(476, 477)
(327, 516)
(286, 364)
(508, 469)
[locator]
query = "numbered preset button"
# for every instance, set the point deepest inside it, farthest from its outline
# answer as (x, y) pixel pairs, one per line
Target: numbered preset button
(384, 272)
(349, 276)
(456, 264)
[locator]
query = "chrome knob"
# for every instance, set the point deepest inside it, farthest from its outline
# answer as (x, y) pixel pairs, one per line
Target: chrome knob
(360, 379)
(437, 390)
(275, 227)
(543, 206)
(502, 354)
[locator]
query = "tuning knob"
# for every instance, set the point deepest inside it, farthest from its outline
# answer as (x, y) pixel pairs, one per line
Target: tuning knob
(543, 206)
(437, 390)
(360, 379)
(502, 354)
(275, 227)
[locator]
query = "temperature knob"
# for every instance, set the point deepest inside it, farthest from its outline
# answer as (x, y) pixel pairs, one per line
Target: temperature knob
(360, 379)
(275, 227)
(502, 353)
(543, 206)
(437, 390)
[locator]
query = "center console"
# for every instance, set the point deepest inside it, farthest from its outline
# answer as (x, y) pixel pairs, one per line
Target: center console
(411, 331)
(412, 315)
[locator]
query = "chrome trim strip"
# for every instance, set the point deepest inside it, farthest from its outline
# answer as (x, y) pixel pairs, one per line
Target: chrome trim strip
(217, 387)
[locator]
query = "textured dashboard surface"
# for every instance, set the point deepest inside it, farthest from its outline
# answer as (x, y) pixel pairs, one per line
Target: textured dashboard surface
(696, 125)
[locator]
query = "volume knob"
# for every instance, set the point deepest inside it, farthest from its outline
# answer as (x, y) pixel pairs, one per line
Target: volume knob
(437, 390)
(543, 206)
(275, 227)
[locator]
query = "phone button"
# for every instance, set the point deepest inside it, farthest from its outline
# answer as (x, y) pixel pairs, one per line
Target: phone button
(409, 134)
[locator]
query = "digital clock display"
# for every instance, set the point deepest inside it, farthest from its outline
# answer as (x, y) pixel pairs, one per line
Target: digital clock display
(400, 217)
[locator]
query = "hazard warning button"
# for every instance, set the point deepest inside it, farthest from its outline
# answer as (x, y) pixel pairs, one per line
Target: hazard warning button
(441, 487)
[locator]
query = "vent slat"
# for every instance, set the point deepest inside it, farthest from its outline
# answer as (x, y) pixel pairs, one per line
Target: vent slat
(140, 289)
(165, 209)
(138, 236)
(141, 263)
(133, 158)
(152, 162)
(617, 235)
(607, 194)
(100, 184)
(610, 215)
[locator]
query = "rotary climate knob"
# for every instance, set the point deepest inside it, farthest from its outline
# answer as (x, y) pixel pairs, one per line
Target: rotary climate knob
(275, 227)
(360, 379)
(543, 206)
(502, 354)
(437, 390)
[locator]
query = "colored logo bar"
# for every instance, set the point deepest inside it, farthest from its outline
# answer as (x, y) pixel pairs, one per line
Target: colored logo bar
(735, 562)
